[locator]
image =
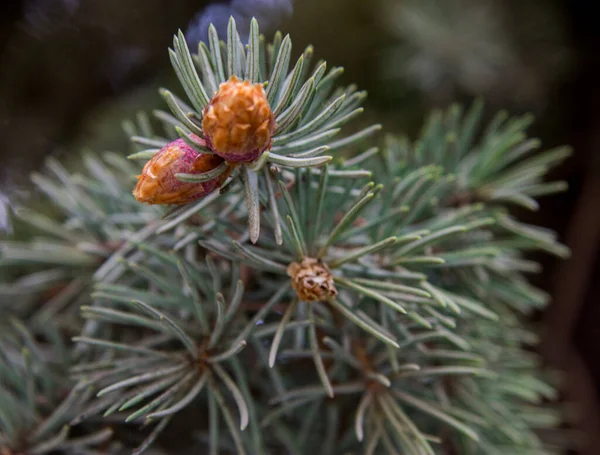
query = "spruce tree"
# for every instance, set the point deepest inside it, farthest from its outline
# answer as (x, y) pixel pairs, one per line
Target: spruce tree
(277, 282)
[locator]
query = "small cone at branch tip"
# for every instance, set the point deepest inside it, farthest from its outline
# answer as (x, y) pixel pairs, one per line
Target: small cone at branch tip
(312, 280)
(238, 123)
(157, 183)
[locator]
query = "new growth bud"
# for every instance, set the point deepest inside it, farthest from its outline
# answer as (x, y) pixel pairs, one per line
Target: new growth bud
(158, 185)
(312, 280)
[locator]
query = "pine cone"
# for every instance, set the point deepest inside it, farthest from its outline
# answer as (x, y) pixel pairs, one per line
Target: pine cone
(158, 185)
(238, 123)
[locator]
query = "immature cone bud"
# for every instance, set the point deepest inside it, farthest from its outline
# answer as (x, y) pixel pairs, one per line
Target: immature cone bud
(238, 123)
(312, 280)
(158, 185)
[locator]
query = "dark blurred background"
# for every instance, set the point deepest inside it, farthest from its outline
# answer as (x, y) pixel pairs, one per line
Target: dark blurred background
(72, 70)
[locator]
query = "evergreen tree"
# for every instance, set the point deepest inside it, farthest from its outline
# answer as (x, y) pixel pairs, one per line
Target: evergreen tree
(370, 301)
